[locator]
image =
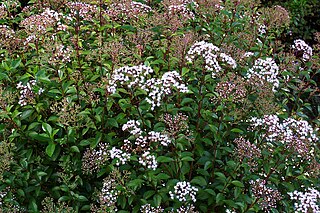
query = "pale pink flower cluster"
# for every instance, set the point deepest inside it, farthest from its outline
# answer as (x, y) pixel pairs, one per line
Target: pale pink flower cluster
(181, 9)
(301, 45)
(308, 201)
(211, 55)
(38, 24)
(6, 32)
(267, 196)
(83, 10)
(266, 70)
(127, 9)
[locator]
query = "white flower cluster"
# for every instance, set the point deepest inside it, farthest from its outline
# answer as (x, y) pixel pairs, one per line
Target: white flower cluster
(138, 7)
(248, 54)
(307, 201)
(163, 139)
(262, 29)
(109, 194)
(211, 55)
(121, 156)
(265, 69)
(183, 191)
(157, 88)
(148, 160)
(2, 195)
(26, 93)
(137, 77)
(185, 209)
(133, 127)
(147, 208)
(300, 45)
(182, 10)
(296, 134)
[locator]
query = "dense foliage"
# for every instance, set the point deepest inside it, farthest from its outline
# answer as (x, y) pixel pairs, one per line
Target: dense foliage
(156, 106)
(305, 17)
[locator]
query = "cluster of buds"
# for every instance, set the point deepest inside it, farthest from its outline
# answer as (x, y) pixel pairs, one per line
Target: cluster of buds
(3, 11)
(127, 9)
(211, 55)
(39, 23)
(296, 135)
(307, 201)
(177, 125)
(82, 10)
(267, 196)
(184, 192)
(92, 160)
(61, 54)
(248, 151)
(233, 88)
(8, 38)
(265, 70)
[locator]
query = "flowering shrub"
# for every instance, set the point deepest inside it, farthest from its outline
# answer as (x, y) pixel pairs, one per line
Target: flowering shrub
(156, 106)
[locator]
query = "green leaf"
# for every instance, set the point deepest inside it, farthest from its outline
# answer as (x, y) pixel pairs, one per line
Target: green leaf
(148, 194)
(187, 158)
(82, 198)
(164, 159)
(236, 130)
(50, 149)
(112, 122)
(157, 200)
(219, 198)
(237, 183)
(75, 149)
(199, 180)
(47, 128)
